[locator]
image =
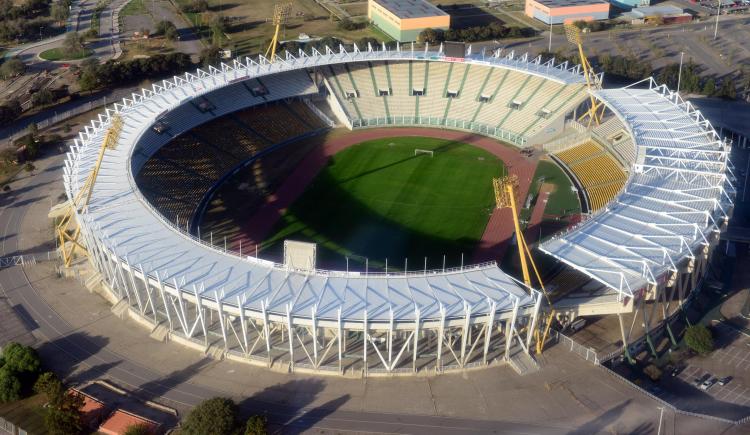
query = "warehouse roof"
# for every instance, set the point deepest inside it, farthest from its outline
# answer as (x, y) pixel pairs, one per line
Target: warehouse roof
(411, 8)
(569, 3)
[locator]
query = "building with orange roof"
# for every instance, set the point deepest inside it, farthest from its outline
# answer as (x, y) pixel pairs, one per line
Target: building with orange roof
(120, 420)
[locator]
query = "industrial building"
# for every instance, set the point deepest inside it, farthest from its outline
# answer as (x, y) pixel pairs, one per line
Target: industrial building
(657, 14)
(404, 20)
(628, 4)
(567, 11)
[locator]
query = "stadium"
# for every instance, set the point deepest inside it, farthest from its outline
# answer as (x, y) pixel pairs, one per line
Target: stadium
(159, 217)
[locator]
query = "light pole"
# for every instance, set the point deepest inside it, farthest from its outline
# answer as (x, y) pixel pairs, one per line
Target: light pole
(679, 73)
(549, 47)
(661, 414)
(716, 27)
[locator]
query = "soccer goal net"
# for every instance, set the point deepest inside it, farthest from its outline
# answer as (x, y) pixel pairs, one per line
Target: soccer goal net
(418, 151)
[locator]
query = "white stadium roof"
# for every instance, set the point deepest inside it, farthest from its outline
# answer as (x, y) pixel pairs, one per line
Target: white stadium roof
(678, 192)
(671, 201)
(124, 225)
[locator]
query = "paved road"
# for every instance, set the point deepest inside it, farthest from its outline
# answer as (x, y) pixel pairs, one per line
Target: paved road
(63, 346)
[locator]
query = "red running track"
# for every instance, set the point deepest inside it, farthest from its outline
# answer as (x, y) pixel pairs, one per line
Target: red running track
(499, 228)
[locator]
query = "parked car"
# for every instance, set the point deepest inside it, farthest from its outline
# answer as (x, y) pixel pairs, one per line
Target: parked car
(677, 370)
(697, 382)
(708, 383)
(725, 380)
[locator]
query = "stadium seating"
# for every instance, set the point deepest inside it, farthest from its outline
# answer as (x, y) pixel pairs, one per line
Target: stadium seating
(179, 175)
(512, 100)
(597, 170)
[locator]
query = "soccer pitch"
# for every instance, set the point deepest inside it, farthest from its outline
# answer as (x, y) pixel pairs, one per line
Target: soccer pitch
(381, 200)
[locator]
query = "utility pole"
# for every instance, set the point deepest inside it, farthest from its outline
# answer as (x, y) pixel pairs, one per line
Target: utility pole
(549, 47)
(679, 73)
(716, 27)
(661, 414)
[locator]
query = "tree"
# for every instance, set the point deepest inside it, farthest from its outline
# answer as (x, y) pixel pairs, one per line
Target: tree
(10, 385)
(349, 25)
(728, 89)
(256, 425)
(709, 88)
(72, 44)
(42, 97)
(196, 6)
(698, 338)
(138, 429)
(9, 111)
(430, 36)
(46, 383)
(59, 11)
(20, 358)
(63, 414)
(216, 416)
(210, 55)
(167, 29)
(11, 68)
(64, 417)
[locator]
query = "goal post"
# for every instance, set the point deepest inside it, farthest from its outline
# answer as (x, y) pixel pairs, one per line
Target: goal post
(418, 151)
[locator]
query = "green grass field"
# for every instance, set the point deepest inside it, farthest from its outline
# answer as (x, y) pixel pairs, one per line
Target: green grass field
(563, 201)
(378, 200)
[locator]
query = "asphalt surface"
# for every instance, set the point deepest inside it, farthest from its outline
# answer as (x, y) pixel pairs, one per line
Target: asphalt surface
(60, 345)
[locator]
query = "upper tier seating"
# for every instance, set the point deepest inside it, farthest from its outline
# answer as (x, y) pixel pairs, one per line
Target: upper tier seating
(516, 102)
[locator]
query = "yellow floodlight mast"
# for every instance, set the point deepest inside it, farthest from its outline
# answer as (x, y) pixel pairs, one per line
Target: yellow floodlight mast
(506, 189)
(573, 34)
(82, 198)
(280, 15)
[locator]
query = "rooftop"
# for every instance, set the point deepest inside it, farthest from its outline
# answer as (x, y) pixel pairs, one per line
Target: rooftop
(569, 3)
(411, 8)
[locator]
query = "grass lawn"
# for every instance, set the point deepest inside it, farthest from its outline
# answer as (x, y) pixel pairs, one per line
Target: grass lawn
(134, 7)
(378, 200)
(563, 201)
(55, 54)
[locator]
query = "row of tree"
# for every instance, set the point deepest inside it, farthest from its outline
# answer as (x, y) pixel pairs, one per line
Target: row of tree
(28, 19)
(473, 34)
(220, 416)
(95, 75)
(629, 68)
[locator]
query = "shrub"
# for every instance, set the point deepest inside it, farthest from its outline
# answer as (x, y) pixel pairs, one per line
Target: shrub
(10, 385)
(256, 425)
(11, 68)
(698, 338)
(653, 372)
(138, 429)
(215, 416)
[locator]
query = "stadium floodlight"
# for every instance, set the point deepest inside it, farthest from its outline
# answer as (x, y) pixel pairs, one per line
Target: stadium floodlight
(574, 35)
(64, 233)
(280, 16)
(506, 196)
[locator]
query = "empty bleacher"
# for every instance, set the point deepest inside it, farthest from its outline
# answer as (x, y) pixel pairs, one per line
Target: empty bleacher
(596, 169)
(180, 174)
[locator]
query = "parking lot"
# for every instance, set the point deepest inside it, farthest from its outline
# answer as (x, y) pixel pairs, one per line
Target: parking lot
(734, 392)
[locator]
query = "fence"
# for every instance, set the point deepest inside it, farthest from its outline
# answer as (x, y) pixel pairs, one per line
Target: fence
(26, 260)
(587, 353)
(591, 356)
(59, 117)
